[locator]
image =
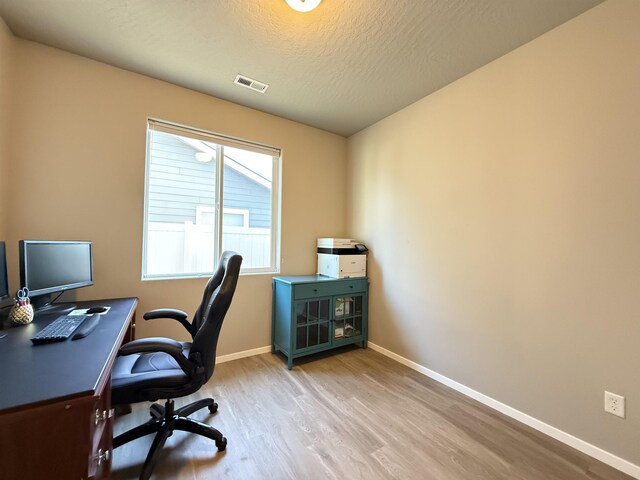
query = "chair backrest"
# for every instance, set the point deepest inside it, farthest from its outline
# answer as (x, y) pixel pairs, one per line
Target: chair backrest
(207, 321)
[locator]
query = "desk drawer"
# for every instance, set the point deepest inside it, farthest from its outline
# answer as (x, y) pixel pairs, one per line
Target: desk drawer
(101, 433)
(321, 289)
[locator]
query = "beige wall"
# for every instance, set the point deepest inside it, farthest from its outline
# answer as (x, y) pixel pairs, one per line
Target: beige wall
(6, 56)
(503, 217)
(79, 142)
(502, 212)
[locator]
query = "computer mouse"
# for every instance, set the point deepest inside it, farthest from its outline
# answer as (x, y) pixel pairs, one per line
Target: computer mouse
(93, 310)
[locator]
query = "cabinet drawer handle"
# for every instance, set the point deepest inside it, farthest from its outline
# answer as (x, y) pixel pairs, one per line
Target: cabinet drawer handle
(315, 290)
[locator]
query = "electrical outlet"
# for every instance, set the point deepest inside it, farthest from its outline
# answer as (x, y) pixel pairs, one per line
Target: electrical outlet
(614, 404)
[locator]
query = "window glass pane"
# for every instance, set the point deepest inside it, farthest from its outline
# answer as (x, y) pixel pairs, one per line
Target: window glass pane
(324, 332)
(301, 337)
(324, 310)
(190, 182)
(206, 214)
(357, 325)
(248, 187)
(358, 305)
(301, 312)
(338, 329)
(232, 220)
(313, 335)
(179, 183)
(313, 311)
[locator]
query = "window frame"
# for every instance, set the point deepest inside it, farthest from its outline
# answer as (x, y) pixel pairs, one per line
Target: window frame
(154, 124)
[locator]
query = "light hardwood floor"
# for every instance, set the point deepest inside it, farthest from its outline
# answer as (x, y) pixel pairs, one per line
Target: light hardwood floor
(352, 415)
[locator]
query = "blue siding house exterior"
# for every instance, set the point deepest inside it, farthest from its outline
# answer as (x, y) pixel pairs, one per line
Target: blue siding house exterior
(180, 185)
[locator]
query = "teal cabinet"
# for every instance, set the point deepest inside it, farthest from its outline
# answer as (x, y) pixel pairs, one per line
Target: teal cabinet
(313, 313)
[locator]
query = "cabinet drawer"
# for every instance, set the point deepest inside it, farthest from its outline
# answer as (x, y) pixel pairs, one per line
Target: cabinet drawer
(313, 290)
(352, 286)
(327, 289)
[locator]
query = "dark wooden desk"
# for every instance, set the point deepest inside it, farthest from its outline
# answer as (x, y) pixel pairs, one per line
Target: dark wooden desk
(56, 420)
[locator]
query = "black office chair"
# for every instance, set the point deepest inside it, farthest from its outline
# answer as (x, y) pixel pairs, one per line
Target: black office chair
(149, 369)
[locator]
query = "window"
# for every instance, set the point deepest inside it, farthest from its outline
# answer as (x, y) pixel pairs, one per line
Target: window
(192, 176)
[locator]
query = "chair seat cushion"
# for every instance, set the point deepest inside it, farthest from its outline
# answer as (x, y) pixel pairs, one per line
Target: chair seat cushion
(148, 376)
(155, 362)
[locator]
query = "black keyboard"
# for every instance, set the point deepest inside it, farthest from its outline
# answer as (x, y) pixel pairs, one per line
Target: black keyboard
(65, 326)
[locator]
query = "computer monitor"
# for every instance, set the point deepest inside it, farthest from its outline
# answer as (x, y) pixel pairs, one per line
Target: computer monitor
(50, 268)
(4, 282)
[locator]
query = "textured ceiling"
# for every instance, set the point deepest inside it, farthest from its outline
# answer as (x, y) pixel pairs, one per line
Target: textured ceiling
(342, 67)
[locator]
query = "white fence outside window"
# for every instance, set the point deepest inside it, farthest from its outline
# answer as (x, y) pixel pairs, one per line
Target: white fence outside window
(189, 248)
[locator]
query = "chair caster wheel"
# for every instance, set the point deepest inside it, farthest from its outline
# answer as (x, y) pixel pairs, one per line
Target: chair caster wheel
(222, 444)
(213, 408)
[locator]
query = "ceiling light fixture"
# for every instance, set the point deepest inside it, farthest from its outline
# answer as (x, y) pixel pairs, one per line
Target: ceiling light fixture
(303, 5)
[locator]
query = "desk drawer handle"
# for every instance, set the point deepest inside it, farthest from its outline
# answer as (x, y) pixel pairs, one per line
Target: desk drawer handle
(103, 415)
(102, 456)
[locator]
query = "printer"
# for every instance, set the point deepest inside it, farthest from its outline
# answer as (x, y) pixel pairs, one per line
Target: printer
(342, 258)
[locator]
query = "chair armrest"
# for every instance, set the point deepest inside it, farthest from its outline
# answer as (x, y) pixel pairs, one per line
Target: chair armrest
(159, 344)
(172, 313)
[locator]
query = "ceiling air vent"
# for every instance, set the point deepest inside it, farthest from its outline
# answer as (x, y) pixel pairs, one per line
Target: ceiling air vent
(252, 84)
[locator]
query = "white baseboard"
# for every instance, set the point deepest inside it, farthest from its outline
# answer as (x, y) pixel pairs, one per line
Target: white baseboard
(587, 448)
(243, 354)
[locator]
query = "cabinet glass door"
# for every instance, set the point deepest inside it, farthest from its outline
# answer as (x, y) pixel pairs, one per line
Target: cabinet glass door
(312, 323)
(347, 317)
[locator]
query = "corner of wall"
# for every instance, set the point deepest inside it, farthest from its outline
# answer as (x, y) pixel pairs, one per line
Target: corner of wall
(6, 59)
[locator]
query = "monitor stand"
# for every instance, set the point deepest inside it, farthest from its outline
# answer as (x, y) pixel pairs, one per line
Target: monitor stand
(44, 305)
(56, 308)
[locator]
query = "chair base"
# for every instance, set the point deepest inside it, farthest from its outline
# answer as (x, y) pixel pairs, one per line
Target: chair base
(164, 420)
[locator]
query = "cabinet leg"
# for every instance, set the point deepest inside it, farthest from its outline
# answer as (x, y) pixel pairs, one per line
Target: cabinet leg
(364, 344)
(290, 363)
